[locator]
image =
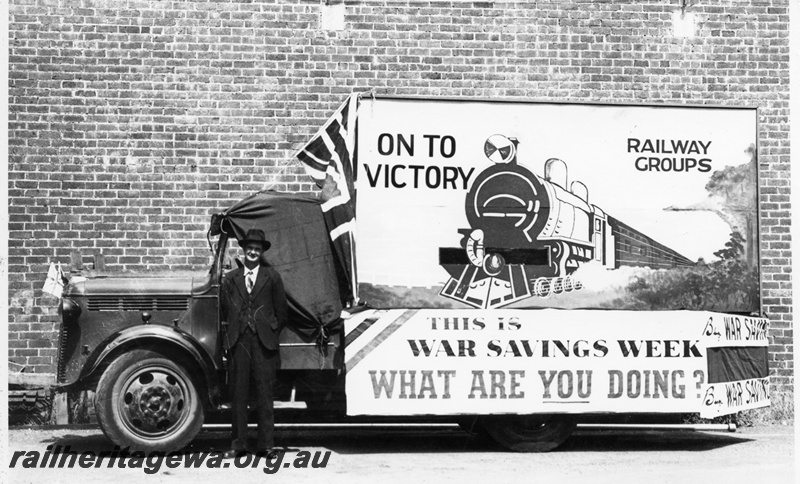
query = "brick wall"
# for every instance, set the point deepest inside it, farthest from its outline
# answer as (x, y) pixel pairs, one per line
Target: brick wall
(130, 121)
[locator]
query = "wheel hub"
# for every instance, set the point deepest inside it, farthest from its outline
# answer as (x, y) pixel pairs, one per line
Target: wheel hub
(154, 402)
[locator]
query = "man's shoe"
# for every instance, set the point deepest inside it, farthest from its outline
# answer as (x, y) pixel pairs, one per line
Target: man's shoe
(269, 453)
(233, 453)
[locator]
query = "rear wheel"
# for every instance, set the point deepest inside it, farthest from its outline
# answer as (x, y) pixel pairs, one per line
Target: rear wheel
(529, 433)
(148, 402)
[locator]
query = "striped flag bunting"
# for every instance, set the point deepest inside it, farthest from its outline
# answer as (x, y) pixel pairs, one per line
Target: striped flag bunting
(366, 330)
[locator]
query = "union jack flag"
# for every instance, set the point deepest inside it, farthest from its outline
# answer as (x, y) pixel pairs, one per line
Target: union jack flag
(328, 158)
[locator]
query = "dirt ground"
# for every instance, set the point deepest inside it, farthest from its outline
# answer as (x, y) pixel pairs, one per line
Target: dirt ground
(445, 453)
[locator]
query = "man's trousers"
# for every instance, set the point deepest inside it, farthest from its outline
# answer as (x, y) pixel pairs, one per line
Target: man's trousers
(250, 361)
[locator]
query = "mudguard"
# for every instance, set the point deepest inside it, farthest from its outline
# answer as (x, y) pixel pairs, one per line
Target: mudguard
(147, 335)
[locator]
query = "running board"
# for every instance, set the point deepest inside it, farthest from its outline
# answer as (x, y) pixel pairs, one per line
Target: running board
(292, 403)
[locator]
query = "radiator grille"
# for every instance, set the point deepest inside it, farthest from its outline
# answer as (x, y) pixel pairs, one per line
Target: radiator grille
(134, 303)
(61, 374)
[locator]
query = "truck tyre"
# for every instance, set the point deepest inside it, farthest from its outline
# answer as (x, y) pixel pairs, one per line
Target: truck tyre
(529, 433)
(148, 402)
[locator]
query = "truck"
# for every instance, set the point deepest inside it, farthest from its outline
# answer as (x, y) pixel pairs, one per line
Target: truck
(511, 266)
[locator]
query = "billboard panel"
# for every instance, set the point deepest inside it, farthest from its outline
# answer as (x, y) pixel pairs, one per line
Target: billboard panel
(477, 204)
(478, 362)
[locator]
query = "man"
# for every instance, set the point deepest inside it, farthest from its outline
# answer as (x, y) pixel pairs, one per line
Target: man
(253, 303)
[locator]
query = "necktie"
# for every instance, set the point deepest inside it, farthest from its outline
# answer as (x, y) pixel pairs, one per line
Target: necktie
(249, 280)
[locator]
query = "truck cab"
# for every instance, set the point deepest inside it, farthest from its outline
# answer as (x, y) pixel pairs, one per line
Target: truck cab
(150, 347)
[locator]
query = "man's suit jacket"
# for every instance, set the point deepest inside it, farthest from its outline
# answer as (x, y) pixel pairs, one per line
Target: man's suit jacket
(268, 305)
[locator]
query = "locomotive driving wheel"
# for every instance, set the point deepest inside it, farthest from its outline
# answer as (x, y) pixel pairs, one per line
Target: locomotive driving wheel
(529, 433)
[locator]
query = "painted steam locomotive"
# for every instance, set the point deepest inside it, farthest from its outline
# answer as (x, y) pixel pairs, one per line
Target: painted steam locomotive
(529, 234)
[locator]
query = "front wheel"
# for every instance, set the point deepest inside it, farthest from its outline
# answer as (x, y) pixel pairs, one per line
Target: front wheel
(148, 402)
(529, 433)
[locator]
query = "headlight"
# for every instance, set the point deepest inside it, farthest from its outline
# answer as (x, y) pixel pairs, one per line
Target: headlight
(70, 311)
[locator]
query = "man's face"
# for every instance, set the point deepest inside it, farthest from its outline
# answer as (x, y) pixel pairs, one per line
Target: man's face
(252, 251)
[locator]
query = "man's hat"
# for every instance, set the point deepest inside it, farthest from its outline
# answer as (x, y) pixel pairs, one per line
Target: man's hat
(255, 235)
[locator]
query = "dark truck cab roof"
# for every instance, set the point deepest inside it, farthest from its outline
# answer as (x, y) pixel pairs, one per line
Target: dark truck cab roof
(301, 252)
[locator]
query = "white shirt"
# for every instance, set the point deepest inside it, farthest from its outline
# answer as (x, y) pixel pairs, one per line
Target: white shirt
(254, 276)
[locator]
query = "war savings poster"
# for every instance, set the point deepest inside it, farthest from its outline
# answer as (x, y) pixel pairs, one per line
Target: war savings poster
(468, 212)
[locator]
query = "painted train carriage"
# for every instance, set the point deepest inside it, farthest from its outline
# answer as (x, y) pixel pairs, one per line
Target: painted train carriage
(633, 248)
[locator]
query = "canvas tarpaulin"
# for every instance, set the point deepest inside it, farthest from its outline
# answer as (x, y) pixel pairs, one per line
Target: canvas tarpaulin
(301, 253)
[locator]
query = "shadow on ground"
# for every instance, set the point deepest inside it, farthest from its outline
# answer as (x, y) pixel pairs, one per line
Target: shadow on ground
(401, 441)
